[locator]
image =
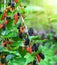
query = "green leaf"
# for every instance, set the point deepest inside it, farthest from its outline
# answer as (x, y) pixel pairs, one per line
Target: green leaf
(9, 57)
(17, 61)
(29, 58)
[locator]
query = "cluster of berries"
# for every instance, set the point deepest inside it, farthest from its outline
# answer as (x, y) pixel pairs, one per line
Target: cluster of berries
(30, 49)
(6, 43)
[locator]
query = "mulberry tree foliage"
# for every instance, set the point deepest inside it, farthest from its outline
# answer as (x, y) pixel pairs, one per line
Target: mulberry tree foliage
(20, 45)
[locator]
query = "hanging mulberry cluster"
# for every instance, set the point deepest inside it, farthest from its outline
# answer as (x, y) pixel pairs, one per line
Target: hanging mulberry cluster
(24, 36)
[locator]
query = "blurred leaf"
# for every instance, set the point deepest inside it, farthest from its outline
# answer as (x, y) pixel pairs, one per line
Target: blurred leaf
(33, 9)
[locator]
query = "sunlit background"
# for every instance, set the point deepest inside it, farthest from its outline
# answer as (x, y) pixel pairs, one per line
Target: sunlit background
(45, 9)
